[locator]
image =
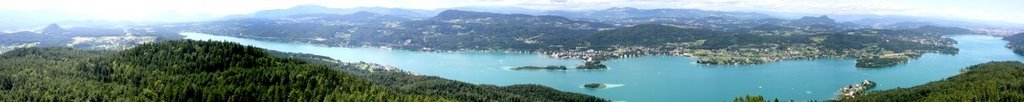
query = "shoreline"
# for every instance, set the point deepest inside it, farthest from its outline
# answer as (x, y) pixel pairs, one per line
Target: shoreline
(714, 56)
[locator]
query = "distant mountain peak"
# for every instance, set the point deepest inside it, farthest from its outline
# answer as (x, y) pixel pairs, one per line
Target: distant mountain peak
(809, 20)
(819, 17)
(53, 25)
(456, 14)
(53, 28)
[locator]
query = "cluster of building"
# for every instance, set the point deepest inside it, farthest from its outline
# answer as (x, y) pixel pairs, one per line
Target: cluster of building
(373, 67)
(851, 91)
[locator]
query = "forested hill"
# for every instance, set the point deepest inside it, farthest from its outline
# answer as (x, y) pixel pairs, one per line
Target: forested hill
(988, 82)
(201, 71)
(1016, 43)
(648, 35)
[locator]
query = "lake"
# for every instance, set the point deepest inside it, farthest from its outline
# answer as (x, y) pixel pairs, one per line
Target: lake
(664, 78)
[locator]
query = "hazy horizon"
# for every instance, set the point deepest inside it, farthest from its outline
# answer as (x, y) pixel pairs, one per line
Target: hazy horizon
(199, 10)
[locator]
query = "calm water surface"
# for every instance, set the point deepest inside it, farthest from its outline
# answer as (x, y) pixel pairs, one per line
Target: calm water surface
(665, 78)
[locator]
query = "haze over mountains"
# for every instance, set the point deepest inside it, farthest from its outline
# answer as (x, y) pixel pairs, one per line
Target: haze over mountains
(617, 15)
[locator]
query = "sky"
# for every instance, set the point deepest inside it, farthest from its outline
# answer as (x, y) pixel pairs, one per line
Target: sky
(1011, 11)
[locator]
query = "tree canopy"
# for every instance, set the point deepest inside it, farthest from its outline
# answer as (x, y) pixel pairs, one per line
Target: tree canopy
(190, 70)
(988, 82)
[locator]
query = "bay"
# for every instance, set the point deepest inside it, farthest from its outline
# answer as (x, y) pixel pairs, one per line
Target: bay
(664, 78)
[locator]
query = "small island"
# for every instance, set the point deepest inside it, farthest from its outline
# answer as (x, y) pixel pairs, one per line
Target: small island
(541, 68)
(592, 65)
(594, 86)
(589, 65)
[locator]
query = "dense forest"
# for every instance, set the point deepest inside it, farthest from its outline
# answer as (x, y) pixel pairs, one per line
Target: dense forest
(648, 35)
(218, 71)
(939, 30)
(988, 82)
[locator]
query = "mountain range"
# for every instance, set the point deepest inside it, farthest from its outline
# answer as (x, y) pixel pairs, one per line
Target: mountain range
(623, 16)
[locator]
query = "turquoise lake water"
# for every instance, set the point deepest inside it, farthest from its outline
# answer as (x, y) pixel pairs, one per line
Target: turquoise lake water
(664, 78)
